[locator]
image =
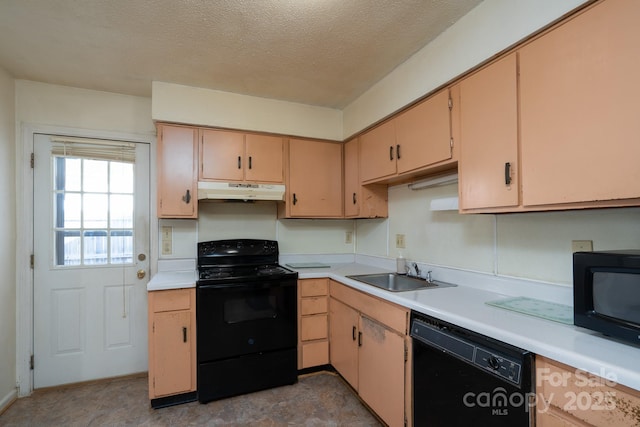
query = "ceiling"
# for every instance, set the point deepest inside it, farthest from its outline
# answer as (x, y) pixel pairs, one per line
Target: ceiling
(317, 52)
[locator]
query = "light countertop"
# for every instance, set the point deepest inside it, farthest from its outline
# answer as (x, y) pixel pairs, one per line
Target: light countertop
(465, 305)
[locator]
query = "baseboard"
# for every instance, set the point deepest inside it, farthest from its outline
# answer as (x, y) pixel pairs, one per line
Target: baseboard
(7, 400)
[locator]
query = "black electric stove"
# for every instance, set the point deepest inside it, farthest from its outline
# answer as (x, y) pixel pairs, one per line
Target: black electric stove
(246, 318)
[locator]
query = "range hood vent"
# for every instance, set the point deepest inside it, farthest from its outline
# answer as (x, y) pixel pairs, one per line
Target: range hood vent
(238, 191)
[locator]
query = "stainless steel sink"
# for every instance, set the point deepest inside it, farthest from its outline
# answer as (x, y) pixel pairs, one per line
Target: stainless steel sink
(398, 283)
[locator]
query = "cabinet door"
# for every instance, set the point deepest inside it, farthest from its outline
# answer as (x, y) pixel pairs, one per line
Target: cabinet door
(263, 160)
(343, 339)
(315, 178)
(177, 177)
(489, 136)
(423, 133)
(579, 116)
(222, 155)
(171, 350)
(381, 371)
(378, 152)
(351, 179)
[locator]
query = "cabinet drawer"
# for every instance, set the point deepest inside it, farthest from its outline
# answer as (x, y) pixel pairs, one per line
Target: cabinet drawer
(315, 354)
(170, 300)
(314, 287)
(314, 327)
(314, 305)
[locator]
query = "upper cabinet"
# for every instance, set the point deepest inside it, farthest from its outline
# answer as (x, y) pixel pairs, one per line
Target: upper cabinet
(361, 201)
(234, 156)
(177, 158)
(579, 122)
(410, 143)
(575, 114)
(314, 185)
(488, 165)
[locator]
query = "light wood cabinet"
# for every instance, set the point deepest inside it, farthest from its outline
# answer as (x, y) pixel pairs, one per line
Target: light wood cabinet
(313, 323)
(235, 156)
(361, 201)
(410, 143)
(177, 160)
(488, 167)
(369, 348)
(579, 114)
(423, 133)
(314, 181)
(172, 346)
(572, 397)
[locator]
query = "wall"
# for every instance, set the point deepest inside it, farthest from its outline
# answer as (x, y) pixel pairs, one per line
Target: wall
(8, 241)
(489, 28)
(220, 220)
(528, 245)
(199, 106)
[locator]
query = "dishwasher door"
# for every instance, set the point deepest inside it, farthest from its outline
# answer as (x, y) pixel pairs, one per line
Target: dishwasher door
(462, 379)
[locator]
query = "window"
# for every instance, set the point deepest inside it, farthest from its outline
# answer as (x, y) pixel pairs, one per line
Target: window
(93, 199)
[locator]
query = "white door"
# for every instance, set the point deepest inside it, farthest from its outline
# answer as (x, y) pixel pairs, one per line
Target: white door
(91, 238)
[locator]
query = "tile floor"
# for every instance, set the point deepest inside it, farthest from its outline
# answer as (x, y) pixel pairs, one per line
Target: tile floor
(321, 399)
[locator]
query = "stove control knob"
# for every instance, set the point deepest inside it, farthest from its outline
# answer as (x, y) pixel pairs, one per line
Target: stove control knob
(493, 363)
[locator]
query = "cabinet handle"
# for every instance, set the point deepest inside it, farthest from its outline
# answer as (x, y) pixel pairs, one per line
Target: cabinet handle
(187, 197)
(184, 334)
(359, 339)
(398, 151)
(391, 152)
(353, 333)
(250, 166)
(295, 199)
(354, 198)
(239, 162)
(507, 173)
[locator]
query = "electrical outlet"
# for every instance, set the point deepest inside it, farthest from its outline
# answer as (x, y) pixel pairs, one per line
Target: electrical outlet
(348, 237)
(400, 241)
(582, 245)
(167, 240)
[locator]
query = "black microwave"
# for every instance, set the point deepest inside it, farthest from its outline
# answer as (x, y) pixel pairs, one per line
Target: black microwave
(606, 293)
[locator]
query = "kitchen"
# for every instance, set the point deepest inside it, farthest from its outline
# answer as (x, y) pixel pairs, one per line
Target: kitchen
(532, 246)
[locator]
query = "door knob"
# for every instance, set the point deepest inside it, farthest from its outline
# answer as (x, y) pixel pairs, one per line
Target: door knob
(141, 274)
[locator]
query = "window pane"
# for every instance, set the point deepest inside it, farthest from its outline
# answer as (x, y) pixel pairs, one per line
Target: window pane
(121, 247)
(95, 247)
(121, 178)
(68, 249)
(67, 210)
(121, 211)
(96, 210)
(72, 181)
(95, 176)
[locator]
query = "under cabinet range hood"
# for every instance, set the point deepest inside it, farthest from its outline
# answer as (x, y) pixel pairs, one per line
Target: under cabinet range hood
(239, 191)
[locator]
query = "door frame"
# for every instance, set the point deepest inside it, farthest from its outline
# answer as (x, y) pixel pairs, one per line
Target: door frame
(24, 231)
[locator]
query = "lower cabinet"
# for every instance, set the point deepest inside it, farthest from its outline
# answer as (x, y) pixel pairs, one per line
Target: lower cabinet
(567, 396)
(313, 323)
(369, 348)
(172, 346)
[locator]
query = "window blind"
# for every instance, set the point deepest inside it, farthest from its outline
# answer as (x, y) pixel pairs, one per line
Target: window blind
(96, 149)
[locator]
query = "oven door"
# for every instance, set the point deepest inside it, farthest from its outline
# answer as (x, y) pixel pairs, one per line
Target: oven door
(246, 318)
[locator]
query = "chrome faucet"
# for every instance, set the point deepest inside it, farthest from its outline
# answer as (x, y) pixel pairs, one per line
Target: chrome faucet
(414, 267)
(428, 277)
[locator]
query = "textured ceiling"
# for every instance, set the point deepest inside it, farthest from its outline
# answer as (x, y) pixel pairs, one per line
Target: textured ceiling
(318, 52)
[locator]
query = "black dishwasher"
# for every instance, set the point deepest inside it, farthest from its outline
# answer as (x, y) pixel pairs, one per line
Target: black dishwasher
(461, 378)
